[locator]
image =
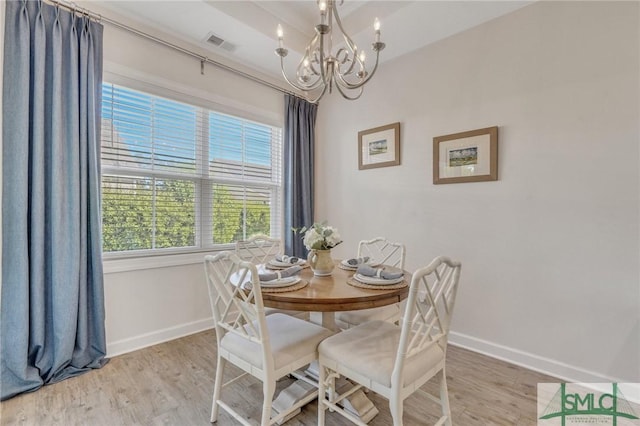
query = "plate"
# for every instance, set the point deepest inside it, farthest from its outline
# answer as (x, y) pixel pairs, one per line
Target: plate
(377, 281)
(278, 264)
(282, 282)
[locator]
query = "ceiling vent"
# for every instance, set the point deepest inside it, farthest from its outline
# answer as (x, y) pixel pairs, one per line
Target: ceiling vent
(213, 39)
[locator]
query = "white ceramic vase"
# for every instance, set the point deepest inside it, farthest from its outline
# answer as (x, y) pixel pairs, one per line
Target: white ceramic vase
(320, 262)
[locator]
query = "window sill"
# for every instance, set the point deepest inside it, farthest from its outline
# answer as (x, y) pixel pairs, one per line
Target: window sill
(115, 265)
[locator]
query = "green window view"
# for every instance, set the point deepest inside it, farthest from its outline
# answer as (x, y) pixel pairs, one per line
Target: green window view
(179, 176)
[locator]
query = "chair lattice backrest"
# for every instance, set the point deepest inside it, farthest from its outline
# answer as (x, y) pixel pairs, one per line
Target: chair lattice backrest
(236, 298)
(259, 249)
(429, 309)
(382, 251)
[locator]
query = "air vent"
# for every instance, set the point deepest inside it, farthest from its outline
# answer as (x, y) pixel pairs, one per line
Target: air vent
(213, 39)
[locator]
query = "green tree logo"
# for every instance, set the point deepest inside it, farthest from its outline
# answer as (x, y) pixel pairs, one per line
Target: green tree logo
(566, 404)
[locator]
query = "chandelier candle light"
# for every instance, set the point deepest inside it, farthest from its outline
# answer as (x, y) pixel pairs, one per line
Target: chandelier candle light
(320, 69)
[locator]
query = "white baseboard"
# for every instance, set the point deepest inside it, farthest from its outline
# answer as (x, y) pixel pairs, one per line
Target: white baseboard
(534, 362)
(547, 366)
(134, 343)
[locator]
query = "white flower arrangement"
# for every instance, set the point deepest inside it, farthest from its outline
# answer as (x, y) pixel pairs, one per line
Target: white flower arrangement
(320, 236)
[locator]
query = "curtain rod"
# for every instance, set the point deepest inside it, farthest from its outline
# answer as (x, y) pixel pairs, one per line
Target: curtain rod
(73, 7)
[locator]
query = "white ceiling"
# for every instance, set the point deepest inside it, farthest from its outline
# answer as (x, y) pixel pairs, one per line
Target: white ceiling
(249, 27)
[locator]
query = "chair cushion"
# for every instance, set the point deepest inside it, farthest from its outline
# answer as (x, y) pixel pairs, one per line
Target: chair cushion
(370, 350)
(383, 313)
(291, 339)
(298, 314)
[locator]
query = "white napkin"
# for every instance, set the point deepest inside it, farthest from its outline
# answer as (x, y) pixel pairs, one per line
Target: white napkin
(368, 271)
(289, 272)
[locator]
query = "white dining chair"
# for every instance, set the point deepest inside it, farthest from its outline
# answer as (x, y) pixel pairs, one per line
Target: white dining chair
(382, 251)
(261, 249)
(395, 361)
(266, 347)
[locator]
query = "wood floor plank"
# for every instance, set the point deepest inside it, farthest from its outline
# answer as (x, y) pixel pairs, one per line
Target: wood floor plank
(172, 384)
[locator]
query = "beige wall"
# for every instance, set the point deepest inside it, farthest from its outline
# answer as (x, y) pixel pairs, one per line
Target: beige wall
(550, 273)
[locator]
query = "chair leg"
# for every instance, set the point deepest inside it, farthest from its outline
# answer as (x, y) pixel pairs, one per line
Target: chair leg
(444, 398)
(268, 389)
(396, 406)
(217, 387)
(322, 391)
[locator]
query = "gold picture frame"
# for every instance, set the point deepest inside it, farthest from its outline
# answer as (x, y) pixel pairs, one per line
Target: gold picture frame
(466, 157)
(379, 147)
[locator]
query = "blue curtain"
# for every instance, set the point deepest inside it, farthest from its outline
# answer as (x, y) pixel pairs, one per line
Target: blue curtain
(299, 142)
(52, 306)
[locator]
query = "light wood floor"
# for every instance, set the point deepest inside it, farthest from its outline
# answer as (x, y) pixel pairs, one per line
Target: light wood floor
(171, 384)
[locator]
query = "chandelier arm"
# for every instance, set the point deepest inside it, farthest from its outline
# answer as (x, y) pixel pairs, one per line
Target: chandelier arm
(353, 57)
(346, 96)
(313, 101)
(307, 86)
(314, 71)
(347, 39)
(323, 72)
(313, 85)
(301, 81)
(312, 67)
(308, 53)
(342, 82)
(299, 86)
(352, 86)
(316, 85)
(311, 48)
(284, 74)
(373, 71)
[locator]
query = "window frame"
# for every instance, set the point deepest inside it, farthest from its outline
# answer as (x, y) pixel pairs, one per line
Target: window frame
(120, 261)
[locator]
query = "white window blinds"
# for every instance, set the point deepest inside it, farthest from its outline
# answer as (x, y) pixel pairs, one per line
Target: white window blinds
(177, 176)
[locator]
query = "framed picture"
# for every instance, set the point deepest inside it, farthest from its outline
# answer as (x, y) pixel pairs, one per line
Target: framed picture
(466, 157)
(379, 147)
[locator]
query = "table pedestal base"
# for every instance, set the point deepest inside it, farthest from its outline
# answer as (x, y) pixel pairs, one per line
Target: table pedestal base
(360, 406)
(297, 391)
(356, 404)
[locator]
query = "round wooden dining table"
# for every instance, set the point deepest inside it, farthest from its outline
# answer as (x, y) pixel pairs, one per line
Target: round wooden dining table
(332, 294)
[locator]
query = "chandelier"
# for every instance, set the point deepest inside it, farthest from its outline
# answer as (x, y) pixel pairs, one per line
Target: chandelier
(320, 69)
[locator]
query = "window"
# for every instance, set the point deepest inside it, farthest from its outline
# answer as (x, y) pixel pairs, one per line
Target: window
(181, 177)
